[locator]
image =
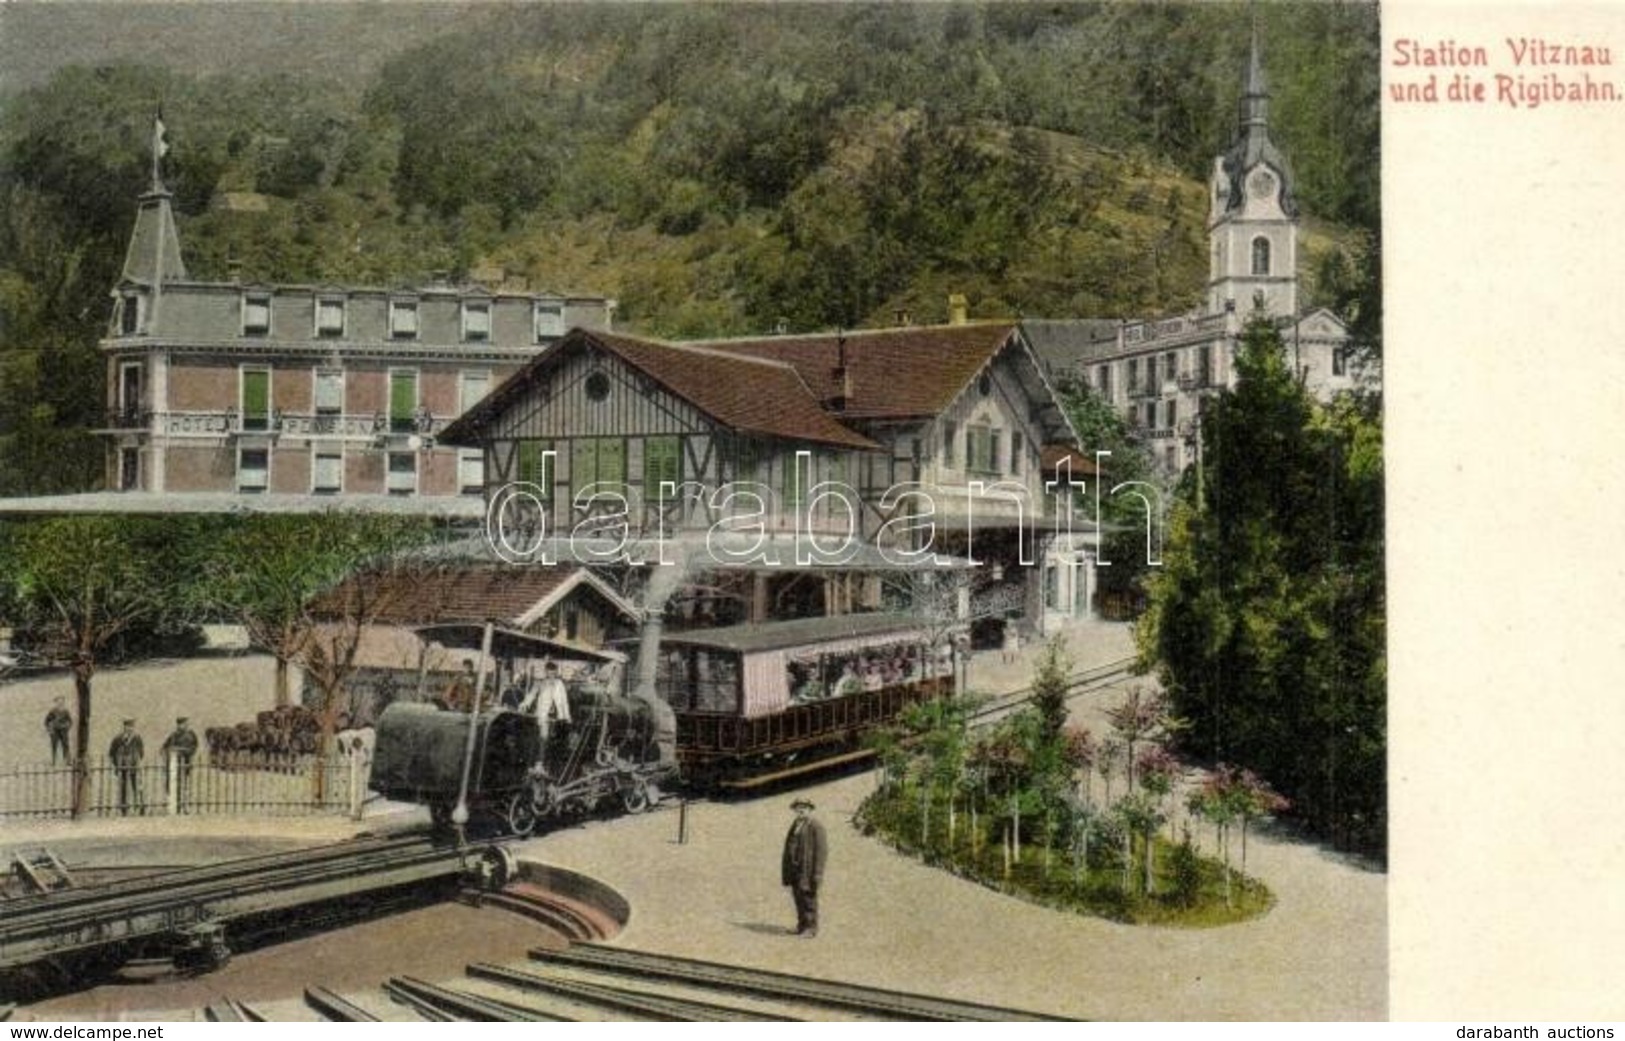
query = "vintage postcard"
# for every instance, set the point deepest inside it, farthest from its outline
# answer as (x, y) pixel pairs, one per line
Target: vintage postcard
(836, 512)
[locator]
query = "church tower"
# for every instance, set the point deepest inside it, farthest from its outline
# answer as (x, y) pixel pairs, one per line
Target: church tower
(1253, 225)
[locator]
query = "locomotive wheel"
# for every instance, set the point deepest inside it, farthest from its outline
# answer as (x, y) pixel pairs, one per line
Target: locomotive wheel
(522, 813)
(635, 797)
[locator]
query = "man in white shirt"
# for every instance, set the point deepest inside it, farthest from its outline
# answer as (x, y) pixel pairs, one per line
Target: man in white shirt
(549, 700)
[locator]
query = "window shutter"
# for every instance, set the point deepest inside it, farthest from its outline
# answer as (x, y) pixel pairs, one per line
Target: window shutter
(475, 386)
(611, 460)
(533, 466)
(256, 399)
(329, 392)
(661, 462)
(403, 398)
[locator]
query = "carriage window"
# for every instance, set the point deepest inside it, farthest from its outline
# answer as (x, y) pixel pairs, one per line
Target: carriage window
(716, 681)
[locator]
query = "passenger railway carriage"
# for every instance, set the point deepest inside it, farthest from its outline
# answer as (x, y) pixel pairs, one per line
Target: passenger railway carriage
(754, 704)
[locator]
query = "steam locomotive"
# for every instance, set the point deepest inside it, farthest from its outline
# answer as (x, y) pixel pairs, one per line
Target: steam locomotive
(733, 708)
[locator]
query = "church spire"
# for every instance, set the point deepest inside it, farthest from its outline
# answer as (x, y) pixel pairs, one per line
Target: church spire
(1255, 95)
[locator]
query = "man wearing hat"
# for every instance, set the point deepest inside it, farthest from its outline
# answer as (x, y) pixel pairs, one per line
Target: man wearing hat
(181, 744)
(57, 724)
(805, 850)
(126, 752)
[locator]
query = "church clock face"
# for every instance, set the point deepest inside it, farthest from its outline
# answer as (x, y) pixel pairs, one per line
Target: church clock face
(1261, 184)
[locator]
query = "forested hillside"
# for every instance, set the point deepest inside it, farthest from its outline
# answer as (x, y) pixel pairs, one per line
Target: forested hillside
(718, 169)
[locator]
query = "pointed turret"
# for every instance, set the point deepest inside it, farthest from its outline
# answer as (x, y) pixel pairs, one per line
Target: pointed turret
(1253, 145)
(154, 255)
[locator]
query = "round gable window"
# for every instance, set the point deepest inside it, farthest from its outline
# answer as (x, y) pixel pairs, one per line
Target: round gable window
(597, 386)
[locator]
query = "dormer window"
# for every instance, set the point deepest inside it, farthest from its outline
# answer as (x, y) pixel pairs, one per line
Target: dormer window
(476, 320)
(256, 314)
(330, 316)
(549, 321)
(129, 316)
(403, 319)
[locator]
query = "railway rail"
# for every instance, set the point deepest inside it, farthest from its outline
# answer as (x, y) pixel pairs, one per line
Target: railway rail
(592, 981)
(779, 986)
(189, 911)
(336, 1009)
(1078, 683)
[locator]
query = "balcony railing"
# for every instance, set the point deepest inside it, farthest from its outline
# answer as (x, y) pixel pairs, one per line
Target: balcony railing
(348, 426)
(127, 419)
(1149, 389)
(1195, 380)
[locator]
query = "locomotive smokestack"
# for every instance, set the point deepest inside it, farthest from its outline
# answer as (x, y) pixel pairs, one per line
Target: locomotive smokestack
(647, 690)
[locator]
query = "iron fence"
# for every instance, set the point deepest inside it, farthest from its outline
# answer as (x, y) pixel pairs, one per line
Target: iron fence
(248, 784)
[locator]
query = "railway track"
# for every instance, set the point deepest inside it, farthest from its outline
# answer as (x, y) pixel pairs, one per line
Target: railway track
(778, 986)
(594, 982)
(1078, 684)
(189, 910)
(336, 1009)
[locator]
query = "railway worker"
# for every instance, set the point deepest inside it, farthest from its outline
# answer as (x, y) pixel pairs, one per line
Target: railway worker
(181, 745)
(126, 752)
(550, 701)
(57, 724)
(459, 695)
(805, 850)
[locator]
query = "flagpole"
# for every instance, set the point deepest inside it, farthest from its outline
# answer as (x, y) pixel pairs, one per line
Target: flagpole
(158, 239)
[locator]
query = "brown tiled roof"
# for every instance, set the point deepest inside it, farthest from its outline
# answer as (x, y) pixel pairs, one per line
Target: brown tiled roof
(751, 394)
(748, 394)
(501, 593)
(1050, 456)
(895, 373)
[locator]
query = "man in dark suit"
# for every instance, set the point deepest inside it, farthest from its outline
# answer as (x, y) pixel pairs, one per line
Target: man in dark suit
(182, 746)
(126, 752)
(58, 722)
(805, 850)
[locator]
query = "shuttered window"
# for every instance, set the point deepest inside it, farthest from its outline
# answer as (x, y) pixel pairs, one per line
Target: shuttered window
(475, 385)
(532, 466)
(549, 321)
(596, 460)
(403, 319)
(256, 314)
(253, 469)
(476, 321)
(403, 473)
(662, 461)
(403, 399)
(982, 450)
(330, 318)
(256, 399)
(470, 471)
(327, 473)
(790, 488)
(329, 391)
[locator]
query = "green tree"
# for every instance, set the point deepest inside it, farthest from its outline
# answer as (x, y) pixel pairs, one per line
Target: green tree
(1266, 623)
(308, 588)
(81, 583)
